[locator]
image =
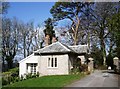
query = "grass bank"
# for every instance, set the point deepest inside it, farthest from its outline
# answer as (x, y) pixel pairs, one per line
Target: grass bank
(47, 81)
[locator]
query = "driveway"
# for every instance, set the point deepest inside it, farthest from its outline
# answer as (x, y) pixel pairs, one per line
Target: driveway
(97, 79)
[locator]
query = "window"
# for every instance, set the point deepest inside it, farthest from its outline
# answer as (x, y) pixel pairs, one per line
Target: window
(33, 68)
(48, 62)
(55, 62)
(52, 62)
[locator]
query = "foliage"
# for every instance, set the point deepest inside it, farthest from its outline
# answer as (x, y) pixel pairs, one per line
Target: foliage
(94, 20)
(48, 81)
(49, 25)
(103, 11)
(83, 68)
(79, 69)
(17, 38)
(109, 61)
(97, 56)
(71, 11)
(29, 75)
(115, 31)
(10, 76)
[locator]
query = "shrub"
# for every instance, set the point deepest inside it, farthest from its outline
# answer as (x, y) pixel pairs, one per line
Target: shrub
(21, 78)
(83, 68)
(10, 76)
(29, 75)
(34, 75)
(75, 71)
(17, 79)
(37, 75)
(4, 81)
(87, 72)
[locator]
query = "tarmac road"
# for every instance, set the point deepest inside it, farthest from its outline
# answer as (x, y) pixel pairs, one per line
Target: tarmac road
(97, 79)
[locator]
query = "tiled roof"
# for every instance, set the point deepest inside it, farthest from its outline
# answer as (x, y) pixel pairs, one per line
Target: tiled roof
(79, 48)
(62, 48)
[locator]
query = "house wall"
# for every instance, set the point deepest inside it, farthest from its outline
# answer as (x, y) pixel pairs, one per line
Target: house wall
(23, 64)
(62, 65)
(83, 59)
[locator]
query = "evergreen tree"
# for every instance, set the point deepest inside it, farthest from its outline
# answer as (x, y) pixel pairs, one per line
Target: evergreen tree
(49, 26)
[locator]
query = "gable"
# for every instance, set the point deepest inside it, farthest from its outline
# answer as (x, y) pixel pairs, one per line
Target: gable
(30, 59)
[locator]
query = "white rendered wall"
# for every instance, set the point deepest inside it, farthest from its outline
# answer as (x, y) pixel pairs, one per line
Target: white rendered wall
(23, 64)
(62, 65)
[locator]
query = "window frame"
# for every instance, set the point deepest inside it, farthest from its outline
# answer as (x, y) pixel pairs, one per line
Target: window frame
(51, 60)
(33, 68)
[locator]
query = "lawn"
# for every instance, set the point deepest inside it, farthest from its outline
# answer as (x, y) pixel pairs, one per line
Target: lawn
(47, 81)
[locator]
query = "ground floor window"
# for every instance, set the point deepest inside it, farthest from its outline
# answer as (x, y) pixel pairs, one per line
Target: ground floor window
(52, 62)
(31, 68)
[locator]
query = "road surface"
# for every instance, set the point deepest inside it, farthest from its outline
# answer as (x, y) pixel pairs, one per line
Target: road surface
(97, 79)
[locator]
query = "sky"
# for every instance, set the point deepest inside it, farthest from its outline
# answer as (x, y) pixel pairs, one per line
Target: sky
(30, 11)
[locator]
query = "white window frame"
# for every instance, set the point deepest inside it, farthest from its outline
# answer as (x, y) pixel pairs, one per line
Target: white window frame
(33, 68)
(49, 62)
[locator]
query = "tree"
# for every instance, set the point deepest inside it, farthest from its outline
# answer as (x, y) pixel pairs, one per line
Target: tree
(4, 7)
(39, 37)
(86, 22)
(9, 41)
(97, 55)
(27, 34)
(49, 25)
(103, 11)
(3, 10)
(71, 11)
(115, 32)
(29, 38)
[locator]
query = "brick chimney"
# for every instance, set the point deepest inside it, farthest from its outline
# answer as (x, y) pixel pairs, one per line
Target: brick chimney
(54, 39)
(47, 40)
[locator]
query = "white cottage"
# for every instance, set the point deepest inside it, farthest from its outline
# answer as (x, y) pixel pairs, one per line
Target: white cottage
(55, 59)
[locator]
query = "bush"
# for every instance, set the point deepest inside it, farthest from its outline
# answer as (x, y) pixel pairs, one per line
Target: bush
(83, 68)
(75, 71)
(4, 81)
(37, 75)
(10, 76)
(29, 75)
(87, 72)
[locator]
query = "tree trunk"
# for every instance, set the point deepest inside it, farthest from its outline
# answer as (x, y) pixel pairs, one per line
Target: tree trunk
(24, 46)
(103, 51)
(3, 64)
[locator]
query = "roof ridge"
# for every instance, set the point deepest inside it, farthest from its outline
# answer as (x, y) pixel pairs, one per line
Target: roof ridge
(48, 48)
(77, 45)
(68, 47)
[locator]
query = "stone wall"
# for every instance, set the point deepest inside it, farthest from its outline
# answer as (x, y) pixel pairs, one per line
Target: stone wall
(90, 65)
